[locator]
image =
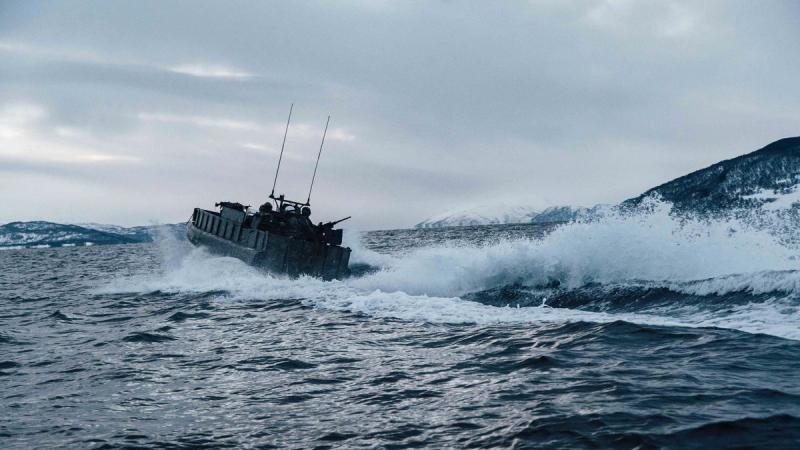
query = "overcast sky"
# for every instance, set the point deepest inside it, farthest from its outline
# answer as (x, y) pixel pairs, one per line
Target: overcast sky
(136, 112)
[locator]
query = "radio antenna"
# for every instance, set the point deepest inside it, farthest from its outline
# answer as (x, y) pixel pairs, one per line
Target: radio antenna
(282, 146)
(308, 201)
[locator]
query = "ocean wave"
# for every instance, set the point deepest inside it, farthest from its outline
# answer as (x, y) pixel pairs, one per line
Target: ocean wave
(648, 268)
(650, 245)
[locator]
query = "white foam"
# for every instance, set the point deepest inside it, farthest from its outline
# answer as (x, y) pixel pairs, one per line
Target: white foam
(698, 258)
(653, 246)
(775, 317)
(758, 283)
(362, 255)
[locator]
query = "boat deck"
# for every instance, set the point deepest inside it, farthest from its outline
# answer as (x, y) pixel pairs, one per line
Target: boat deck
(270, 251)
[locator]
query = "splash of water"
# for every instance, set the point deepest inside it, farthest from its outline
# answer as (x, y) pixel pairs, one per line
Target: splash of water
(650, 245)
(692, 256)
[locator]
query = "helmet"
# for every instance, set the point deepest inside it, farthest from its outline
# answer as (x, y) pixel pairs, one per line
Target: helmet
(265, 208)
(306, 211)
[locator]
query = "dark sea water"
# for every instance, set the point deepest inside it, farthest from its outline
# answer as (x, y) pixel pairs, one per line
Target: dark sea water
(623, 334)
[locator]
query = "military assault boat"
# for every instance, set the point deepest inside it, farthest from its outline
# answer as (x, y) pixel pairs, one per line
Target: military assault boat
(280, 237)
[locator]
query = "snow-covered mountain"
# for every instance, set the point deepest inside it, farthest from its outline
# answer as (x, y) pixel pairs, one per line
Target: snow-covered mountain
(115, 229)
(568, 213)
(49, 234)
(142, 233)
(768, 178)
(504, 214)
(493, 214)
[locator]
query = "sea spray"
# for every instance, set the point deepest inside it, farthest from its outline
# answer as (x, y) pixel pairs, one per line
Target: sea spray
(172, 250)
(724, 274)
(649, 244)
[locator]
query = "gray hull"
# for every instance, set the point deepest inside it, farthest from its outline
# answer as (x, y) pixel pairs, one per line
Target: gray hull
(269, 251)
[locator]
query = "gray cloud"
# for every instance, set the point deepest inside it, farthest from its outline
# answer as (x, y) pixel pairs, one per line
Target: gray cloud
(433, 103)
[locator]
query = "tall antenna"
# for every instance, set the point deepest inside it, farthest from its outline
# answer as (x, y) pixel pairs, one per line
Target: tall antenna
(308, 202)
(282, 145)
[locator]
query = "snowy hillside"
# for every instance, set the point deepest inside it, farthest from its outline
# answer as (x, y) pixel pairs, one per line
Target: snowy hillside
(504, 214)
(568, 213)
(481, 215)
(767, 178)
(142, 233)
(114, 229)
(777, 199)
(48, 234)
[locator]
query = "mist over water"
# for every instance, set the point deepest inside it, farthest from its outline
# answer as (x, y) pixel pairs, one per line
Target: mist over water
(634, 329)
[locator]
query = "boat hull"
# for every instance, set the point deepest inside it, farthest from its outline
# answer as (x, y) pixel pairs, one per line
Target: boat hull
(269, 251)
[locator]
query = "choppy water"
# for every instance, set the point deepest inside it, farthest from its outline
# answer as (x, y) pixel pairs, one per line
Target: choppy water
(629, 333)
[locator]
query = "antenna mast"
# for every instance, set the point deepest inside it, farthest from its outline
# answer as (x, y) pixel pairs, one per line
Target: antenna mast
(281, 156)
(308, 201)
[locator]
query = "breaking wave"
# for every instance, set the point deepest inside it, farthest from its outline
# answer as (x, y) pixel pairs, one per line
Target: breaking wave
(649, 267)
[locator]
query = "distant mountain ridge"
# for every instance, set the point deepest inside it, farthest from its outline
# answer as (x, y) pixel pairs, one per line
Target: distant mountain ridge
(41, 234)
(141, 233)
(767, 178)
(493, 214)
(555, 214)
(499, 214)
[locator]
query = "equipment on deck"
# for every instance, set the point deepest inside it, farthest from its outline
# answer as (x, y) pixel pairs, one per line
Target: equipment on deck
(280, 239)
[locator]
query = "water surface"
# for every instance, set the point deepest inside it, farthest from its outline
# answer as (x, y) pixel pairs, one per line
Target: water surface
(595, 336)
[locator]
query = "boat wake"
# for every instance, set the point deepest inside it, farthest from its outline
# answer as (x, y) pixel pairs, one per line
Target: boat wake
(648, 268)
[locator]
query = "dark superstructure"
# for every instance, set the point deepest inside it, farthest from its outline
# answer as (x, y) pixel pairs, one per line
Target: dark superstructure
(280, 237)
